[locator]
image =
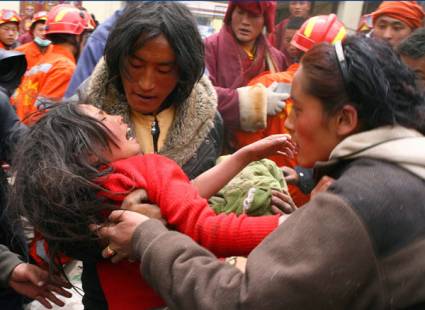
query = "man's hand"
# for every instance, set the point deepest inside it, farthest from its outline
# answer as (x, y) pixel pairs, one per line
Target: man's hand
(137, 200)
(282, 202)
(33, 282)
(119, 233)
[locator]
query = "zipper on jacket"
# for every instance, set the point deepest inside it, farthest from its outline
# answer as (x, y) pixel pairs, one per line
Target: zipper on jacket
(155, 134)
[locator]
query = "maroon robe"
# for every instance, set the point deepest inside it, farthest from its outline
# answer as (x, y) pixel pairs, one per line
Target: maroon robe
(277, 35)
(229, 68)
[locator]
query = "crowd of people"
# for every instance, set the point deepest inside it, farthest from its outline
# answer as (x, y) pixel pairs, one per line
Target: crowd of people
(274, 164)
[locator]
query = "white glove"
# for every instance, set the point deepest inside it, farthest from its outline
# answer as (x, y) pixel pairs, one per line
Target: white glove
(275, 101)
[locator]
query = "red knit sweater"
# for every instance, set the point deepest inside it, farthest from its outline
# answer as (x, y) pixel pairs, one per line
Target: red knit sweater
(183, 208)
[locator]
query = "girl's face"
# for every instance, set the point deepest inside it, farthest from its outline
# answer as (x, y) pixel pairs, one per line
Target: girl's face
(314, 132)
(152, 76)
(124, 146)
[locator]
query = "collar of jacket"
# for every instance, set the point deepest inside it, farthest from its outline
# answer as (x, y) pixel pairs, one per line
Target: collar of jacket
(396, 144)
(193, 120)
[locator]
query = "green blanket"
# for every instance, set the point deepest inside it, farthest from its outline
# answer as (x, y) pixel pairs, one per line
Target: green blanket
(250, 191)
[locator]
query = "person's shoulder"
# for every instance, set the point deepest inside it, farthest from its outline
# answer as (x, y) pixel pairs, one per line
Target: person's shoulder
(23, 47)
(212, 39)
(282, 23)
(156, 159)
(276, 51)
(102, 31)
(61, 62)
(380, 193)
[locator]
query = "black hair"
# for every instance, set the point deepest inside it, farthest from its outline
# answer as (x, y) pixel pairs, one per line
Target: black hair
(295, 23)
(414, 45)
(379, 85)
(61, 38)
(141, 22)
(54, 177)
(41, 21)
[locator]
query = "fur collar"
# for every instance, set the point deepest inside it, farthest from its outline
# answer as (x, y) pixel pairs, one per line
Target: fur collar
(194, 118)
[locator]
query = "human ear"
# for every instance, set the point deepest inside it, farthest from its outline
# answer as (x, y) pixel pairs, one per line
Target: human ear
(347, 120)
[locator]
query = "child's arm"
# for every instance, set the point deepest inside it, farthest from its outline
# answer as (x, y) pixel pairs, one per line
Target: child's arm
(214, 179)
(183, 208)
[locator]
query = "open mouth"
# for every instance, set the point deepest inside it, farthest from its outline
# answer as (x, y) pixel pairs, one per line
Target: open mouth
(244, 31)
(145, 98)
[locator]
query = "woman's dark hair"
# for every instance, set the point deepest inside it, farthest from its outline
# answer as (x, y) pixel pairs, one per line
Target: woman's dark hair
(141, 22)
(377, 83)
(53, 178)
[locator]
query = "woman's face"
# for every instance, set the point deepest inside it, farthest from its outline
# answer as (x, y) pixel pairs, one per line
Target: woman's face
(153, 75)
(124, 146)
(311, 128)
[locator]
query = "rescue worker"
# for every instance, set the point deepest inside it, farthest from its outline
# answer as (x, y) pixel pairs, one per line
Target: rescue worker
(9, 26)
(238, 53)
(39, 45)
(317, 29)
(393, 21)
(48, 79)
(285, 46)
(297, 9)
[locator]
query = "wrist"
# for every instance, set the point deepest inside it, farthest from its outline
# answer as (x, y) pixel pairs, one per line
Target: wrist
(13, 273)
(244, 156)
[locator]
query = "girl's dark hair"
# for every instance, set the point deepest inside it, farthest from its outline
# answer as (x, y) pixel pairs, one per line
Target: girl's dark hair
(53, 174)
(141, 22)
(378, 84)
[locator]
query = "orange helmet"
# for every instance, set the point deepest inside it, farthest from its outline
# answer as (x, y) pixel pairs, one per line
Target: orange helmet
(39, 16)
(68, 19)
(317, 29)
(9, 16)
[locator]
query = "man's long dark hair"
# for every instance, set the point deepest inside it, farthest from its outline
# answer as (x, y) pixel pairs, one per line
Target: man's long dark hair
(53, 178)
(146, 20)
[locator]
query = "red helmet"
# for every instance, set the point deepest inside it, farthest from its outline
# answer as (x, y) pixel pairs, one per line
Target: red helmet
(317, 29)
(9, 16)
(39, 16)
(68, 19)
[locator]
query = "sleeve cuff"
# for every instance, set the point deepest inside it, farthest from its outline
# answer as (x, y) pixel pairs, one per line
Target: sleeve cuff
(8, 262)
(253, 107)
(144, 234)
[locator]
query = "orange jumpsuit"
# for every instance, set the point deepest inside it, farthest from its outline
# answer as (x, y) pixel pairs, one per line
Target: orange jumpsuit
(47, 80)
(32, 53)
(275, 125)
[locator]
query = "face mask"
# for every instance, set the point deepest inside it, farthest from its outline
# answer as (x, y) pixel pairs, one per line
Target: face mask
(40, 42)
